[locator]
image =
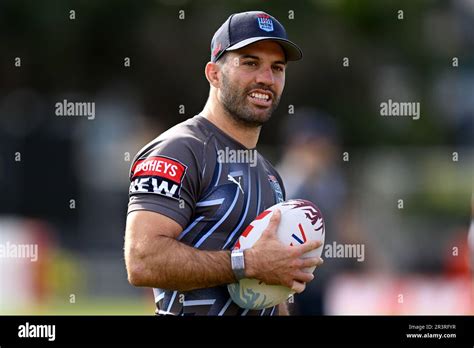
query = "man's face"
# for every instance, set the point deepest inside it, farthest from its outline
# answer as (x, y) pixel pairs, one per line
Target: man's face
(253, 79)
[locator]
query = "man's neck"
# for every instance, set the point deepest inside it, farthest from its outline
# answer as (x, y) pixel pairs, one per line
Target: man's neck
(247, 136)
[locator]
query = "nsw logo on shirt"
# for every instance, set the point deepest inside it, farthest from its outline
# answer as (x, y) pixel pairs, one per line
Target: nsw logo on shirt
(157, 174)
(277, 191)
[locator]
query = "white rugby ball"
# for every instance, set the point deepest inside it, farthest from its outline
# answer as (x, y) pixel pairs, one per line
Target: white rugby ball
(301, 221)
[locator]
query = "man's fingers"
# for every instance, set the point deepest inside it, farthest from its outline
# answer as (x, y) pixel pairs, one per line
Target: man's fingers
(312, 262)
(298, 287)
(303, 277)
(311, 245)
(274, 221)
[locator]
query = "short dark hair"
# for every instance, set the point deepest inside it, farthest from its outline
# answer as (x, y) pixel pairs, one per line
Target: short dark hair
(223, 58)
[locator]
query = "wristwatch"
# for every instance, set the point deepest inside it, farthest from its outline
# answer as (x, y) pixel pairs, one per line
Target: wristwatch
(237, 262)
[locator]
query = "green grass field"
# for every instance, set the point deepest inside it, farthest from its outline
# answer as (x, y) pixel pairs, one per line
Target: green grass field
(90, 306)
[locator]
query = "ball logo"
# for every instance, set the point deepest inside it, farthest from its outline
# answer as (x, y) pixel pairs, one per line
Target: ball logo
(303, 238)
(301, 221)
(312, 213)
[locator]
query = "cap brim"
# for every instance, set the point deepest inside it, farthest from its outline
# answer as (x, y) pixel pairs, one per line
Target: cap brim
(292, 51)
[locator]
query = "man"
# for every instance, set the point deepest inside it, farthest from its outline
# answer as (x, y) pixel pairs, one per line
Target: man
(190, 199)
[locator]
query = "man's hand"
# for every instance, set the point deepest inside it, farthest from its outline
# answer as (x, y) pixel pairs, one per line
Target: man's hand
(274, 263)
(154, 257)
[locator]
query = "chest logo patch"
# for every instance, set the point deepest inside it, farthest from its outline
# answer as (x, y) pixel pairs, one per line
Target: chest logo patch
(276, 188)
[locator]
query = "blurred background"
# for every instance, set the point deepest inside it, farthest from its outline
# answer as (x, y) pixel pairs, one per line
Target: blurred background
(400, 189)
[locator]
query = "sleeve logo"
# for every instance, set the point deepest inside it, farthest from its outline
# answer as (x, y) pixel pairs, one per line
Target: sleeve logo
(158, 174)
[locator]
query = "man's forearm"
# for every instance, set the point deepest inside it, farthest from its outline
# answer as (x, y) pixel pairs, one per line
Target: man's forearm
(180, 267)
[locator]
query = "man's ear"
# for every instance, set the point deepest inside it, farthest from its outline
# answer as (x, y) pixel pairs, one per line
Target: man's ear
(212, 72)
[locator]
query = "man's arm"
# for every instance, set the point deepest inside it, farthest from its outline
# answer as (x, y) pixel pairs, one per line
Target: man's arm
(154, 258)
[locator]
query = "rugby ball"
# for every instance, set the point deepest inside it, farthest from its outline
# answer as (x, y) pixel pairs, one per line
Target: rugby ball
(301, 221)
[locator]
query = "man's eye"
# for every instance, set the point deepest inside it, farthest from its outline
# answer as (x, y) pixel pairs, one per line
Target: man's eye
(278, 68)
(250, 63)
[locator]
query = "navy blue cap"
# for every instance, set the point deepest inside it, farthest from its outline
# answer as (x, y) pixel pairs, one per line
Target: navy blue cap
(245, 28)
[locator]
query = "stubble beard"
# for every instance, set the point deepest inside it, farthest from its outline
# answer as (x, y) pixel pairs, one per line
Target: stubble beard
(237, 106)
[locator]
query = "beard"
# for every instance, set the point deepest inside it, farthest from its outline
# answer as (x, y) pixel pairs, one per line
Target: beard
(236, 104)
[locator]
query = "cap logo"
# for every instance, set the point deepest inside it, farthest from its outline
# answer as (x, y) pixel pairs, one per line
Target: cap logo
(265, 22)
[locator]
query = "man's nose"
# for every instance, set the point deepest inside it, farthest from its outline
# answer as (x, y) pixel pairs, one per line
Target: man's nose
(265, 76)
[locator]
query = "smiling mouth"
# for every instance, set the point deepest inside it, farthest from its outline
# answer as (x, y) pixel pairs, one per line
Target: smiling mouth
(261, 98)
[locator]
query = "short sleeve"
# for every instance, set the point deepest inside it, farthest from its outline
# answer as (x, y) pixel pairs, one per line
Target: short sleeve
(166, 179)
